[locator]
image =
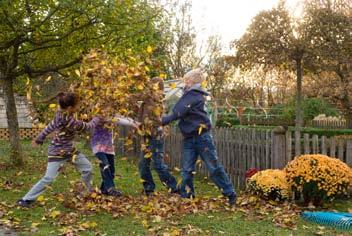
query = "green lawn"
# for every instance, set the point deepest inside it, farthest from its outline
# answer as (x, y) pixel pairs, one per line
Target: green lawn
(52, 216)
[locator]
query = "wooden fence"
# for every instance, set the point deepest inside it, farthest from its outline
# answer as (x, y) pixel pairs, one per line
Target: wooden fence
(243, 148)
(333, 124)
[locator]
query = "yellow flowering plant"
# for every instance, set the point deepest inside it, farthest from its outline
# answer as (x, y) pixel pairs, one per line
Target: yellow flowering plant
(318, 177)
(269, 184)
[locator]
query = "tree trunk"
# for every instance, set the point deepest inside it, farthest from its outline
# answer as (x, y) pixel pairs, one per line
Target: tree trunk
(12, 121)
(298, 121)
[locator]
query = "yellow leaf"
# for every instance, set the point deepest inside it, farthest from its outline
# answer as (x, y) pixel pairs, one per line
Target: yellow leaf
(140, 87)
(28, 81)
(41, 199)
(148, 155)
(128, 142)
(52, 105)
(34, 224)
(149, 49)
(78, 73)
(93, 224)
(48, 79)
(204, 84)
(147, 68)
(55, 214)
(157, 111)
(74, 157)
(175, 232)
(141, 181)
(173, 85)
(201, 128)
(179, 181)
(177, 169)
(94, 195)
(162, 76)
(84, 116)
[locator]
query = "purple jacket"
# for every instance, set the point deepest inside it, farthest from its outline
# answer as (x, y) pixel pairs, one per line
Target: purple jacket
(65, 127)
(102, 137)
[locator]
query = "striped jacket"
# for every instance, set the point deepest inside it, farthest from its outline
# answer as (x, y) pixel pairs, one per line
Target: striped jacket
(65, 127)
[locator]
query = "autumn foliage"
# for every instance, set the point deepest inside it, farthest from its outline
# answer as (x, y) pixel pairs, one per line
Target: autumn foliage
(108, 87)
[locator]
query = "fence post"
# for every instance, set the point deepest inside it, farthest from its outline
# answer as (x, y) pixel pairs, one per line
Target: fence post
(279, 148)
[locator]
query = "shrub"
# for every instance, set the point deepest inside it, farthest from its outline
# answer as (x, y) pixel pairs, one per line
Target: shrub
(269, 184)
(318, 177)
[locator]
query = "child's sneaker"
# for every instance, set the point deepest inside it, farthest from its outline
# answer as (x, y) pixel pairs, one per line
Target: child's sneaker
(148, 193)
(176, 191)
(187, 195)
(232, 199)
(25, 203)
(114, 193)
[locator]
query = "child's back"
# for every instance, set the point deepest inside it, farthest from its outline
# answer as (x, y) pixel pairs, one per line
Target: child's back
(64, 126)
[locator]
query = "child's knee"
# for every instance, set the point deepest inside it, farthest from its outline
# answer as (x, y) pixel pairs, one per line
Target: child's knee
(48, 179)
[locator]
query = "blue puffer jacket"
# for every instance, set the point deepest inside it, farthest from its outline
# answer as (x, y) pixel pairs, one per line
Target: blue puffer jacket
(190, 110)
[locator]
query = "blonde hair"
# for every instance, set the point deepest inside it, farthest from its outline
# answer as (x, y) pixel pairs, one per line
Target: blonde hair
(195, 75)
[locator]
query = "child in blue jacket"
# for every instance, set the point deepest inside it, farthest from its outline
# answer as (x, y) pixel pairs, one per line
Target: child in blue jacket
(195, 127)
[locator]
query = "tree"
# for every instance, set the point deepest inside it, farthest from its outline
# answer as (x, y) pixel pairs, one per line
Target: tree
(50, 36)
(180, 35)
(329, 31)
(273, 41)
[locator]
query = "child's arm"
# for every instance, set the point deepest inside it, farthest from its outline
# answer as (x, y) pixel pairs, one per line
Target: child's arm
(46, 131)
(126, 121)
(181, 109)
(81, 126)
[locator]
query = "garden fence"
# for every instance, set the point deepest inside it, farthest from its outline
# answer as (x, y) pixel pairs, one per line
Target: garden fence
(240, 149)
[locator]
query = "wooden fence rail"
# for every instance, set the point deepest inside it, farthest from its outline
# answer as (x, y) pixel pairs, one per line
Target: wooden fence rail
(333, 124)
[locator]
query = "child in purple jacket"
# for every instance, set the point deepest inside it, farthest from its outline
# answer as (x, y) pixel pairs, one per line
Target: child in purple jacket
(61, 148)
(103, 148)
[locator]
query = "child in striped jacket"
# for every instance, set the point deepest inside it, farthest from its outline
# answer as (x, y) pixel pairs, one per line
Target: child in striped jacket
(61, 148)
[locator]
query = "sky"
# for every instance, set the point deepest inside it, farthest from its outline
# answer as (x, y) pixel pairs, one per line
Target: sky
(230, 18)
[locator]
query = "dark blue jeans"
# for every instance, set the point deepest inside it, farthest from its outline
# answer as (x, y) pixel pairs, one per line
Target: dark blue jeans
(156, 146)
(202, 146)
(107, 171)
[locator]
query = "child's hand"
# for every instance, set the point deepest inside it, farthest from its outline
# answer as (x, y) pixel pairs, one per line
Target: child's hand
(34, 144)
(136, 124)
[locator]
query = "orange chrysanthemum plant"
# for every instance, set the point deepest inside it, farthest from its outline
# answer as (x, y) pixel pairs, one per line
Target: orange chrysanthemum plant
(318, 178)
(269, 184)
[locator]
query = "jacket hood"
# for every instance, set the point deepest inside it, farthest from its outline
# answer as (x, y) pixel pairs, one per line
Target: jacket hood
(198, 88)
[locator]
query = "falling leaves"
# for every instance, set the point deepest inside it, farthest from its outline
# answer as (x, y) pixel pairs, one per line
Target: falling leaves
(173, 85)
(52, 106)
(201, 127)
(111, 87)
(78, 73)
(149, 49)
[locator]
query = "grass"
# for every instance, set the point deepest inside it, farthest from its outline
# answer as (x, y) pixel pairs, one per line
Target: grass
(15, 182)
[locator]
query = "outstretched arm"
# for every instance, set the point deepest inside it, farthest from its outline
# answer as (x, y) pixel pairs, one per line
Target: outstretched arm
(81, 126)
(182, 107)
(126, 121)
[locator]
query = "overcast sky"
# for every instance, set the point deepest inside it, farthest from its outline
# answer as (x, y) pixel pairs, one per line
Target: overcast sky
(230, 18)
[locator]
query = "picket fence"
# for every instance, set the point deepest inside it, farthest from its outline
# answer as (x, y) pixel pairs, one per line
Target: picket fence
(333, 124)
(240, 149)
